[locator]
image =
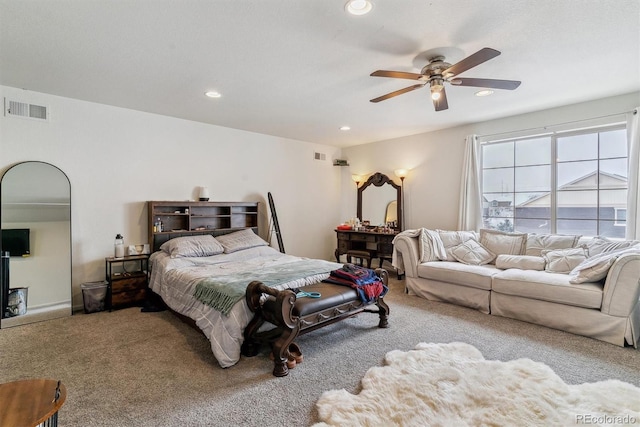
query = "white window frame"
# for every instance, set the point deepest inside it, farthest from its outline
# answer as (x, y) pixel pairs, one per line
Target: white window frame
(554, 167)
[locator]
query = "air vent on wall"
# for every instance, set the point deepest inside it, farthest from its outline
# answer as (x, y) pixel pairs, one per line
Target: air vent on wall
(319, 156)
(24, 110)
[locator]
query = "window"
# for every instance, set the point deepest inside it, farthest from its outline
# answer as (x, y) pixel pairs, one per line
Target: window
(568, 183)
(621, 217)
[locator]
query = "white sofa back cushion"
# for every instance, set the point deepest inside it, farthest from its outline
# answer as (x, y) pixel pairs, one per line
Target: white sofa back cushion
(536, 243)
(501, 242)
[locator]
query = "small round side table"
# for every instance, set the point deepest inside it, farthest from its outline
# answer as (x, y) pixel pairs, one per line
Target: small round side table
(27, 403)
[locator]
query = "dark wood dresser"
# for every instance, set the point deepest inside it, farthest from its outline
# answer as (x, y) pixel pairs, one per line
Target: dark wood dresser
(379, 245)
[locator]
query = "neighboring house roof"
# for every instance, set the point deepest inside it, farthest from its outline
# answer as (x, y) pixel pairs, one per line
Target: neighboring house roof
(590, 181)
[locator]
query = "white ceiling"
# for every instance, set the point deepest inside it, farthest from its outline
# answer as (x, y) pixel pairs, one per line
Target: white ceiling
(300, 68)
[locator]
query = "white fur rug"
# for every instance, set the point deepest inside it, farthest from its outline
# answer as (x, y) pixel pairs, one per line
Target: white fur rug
(453, 385)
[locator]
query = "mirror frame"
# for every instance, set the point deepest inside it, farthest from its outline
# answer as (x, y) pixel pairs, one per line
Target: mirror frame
(379, 179)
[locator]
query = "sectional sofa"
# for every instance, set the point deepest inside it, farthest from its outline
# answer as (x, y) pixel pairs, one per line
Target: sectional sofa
(586, 286)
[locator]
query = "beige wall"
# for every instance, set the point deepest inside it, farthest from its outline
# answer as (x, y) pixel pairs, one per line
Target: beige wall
(117, 159)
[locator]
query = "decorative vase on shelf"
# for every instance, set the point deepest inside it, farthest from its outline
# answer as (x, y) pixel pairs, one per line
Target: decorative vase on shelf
(204, 194)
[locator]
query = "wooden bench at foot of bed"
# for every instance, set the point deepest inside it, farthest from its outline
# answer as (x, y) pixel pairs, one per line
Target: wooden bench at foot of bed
(294, 316)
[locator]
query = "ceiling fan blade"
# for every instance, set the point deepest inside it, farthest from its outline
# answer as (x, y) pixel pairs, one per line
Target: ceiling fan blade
(488, 83)
(396, 74)
(441, 103)
(471, 61)
(396, 93)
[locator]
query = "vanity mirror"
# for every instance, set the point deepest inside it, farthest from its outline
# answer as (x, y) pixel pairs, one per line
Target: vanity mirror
(36, 197)
(380, 201)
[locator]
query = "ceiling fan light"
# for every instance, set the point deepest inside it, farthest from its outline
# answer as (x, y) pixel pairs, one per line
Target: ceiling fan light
(484, 92)
(436, 92)
(358, 7)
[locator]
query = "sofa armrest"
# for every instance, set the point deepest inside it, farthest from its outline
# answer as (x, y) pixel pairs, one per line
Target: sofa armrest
(409, 254)
(622, 286)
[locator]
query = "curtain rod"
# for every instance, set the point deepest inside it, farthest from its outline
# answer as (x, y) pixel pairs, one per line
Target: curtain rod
(546, 129)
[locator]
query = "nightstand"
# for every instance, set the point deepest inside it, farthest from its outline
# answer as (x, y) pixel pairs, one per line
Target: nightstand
(127, 279)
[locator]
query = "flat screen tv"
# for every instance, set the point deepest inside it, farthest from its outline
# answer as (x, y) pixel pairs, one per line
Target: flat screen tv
(16, 242)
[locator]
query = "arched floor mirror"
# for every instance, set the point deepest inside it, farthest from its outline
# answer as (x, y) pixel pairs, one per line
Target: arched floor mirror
(35, 268)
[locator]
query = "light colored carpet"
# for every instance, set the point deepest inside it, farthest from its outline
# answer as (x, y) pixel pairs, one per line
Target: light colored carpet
(452, 384)
(128, 368)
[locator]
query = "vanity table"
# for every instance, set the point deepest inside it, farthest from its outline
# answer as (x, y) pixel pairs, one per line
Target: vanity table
(377, 244)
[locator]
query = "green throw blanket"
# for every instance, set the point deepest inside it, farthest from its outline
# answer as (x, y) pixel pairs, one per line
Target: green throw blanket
(222, 292)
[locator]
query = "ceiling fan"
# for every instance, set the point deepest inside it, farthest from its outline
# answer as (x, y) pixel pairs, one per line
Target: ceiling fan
(437, 72)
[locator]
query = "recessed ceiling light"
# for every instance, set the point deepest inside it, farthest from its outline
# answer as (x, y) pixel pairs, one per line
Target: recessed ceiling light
(358, 7)
(485, 92)
(345, 128)
(213, 94)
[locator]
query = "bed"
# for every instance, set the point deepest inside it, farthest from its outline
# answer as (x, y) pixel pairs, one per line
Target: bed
(188, 270)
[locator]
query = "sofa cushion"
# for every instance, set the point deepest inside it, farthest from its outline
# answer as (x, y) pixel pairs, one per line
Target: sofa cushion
(501, 242)
(431, 247)
(451, 239)
(545, 286)
(473, 253)
(597, 267)
(563, 260)
(599, 245)
(523, 262)
(474, 276)
(536, 243)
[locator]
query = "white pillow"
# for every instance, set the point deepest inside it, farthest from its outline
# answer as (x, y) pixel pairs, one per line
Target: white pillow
(451, 239)
(239, 240)
(536, 243)
(596, 268)
(521, 262)
(501, 242)
(563, 260)
(473, 253)
(431, 248)
(599, 245)
(192, 246)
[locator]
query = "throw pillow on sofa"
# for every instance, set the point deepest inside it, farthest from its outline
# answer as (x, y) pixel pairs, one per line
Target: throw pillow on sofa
(451, 239)
(536, 243)
(472, 253)
(596, 268)
(502, 242)
(431, 247)
(563, 260)
(521, 262)
(599, 245)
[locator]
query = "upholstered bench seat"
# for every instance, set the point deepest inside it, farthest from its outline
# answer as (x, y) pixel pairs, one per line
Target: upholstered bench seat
(293, 316)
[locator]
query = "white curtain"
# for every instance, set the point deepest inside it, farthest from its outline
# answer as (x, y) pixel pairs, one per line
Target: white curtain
(470, 213)
(633, 195)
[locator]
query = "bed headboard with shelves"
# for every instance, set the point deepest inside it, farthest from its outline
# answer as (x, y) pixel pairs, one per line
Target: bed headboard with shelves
(196, 218)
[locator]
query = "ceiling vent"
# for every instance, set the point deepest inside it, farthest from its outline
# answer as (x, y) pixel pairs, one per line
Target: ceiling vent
(319, 156)
(24, 110)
